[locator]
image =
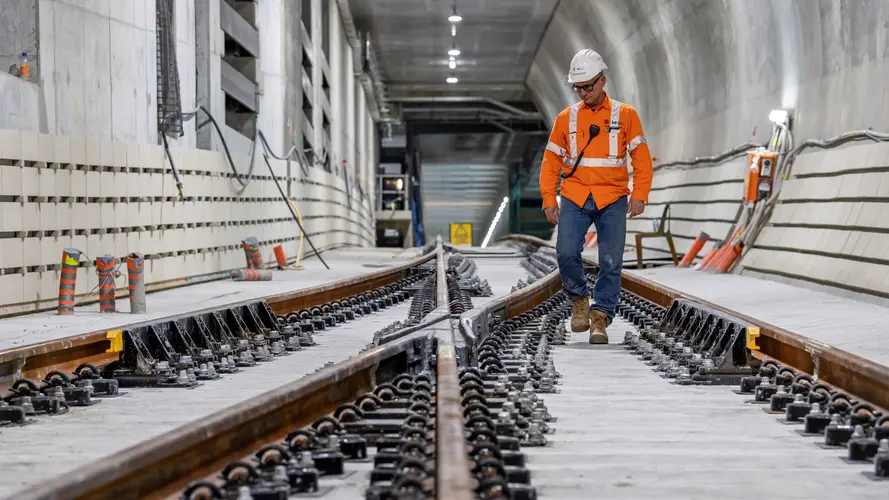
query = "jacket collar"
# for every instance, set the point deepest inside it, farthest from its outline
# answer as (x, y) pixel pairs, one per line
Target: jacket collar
(606, 104)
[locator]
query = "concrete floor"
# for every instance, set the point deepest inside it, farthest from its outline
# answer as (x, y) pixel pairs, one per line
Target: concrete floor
(347, 263)
(502, 274)
(625, 433)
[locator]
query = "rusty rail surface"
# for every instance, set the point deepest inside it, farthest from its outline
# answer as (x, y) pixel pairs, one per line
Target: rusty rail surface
(34, 361)
(860, 377)
(452, 475)
(452, 468)
(167, 463)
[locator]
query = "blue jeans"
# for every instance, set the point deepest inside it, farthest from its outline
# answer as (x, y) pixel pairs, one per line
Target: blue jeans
(611, 226)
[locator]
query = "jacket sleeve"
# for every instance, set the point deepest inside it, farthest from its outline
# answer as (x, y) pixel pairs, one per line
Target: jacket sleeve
(637, 146)
(553, 161)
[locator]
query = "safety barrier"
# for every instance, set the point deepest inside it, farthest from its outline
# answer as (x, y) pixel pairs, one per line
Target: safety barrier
(136, 279)
(68, 280)
(105, 267)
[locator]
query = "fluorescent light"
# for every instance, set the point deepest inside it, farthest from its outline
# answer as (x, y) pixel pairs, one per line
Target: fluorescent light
(452, 63)
(455, 18)
(495, 221)
(778, 116)
(452, 79)
(454, 52)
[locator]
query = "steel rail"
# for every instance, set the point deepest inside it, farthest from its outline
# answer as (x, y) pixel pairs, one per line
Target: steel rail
(452, 477)
(34, 361)
(860, 377)
(167, 463)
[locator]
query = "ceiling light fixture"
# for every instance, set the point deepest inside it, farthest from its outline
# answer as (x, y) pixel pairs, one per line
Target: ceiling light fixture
(452, 79)
(452, 63)
(454, 52)
(454, 17)
(495, 221)
(453, 30)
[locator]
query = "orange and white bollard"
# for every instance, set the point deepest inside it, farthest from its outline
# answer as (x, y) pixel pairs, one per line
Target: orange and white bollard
(105, 266)
(280, 257)
(68, 280)
(253, 253)
(136, 280)
(695, 248)
(251, 275)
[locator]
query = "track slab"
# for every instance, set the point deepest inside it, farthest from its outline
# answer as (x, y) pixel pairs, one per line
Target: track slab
(58, 444)
(625, 433)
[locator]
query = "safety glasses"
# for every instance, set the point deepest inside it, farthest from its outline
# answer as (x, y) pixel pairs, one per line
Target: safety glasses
(588, 87)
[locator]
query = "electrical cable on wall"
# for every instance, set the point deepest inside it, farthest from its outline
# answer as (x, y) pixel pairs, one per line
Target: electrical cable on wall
(292, 212)
(786, 159)
(259, 141)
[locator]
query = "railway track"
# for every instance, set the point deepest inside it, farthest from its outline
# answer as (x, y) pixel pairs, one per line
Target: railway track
(455, 403)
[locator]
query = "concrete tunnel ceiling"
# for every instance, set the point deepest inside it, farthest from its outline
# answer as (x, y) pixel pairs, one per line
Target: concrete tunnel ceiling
(462, 174)
(704, 74)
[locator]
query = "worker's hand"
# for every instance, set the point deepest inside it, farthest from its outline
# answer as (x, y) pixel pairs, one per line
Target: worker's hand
(552, 214)
(635, 207)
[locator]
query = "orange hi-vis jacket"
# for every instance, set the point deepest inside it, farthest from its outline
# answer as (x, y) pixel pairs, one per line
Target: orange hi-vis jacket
(602, 171)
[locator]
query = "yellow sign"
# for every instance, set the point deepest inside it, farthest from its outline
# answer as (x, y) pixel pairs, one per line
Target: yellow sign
(461, 233)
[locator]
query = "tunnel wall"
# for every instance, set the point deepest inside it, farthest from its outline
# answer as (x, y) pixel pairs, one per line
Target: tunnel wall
(704, 198)
(80, 164)
(704, 74)
(830, 225)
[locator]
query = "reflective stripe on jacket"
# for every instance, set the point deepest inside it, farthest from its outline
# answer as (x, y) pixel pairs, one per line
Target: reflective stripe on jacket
(603, 169)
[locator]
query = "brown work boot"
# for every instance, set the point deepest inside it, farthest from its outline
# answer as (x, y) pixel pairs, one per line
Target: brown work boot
(598, 322)
(580, 314)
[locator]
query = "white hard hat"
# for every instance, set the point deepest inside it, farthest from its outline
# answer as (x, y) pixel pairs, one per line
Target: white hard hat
(585, 65)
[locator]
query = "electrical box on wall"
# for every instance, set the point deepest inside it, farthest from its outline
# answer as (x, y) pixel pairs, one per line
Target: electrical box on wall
(760, 179)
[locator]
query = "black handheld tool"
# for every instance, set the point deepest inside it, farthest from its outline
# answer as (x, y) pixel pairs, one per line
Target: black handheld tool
(594, 131)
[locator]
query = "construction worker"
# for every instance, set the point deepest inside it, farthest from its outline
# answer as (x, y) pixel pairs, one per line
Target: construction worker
(599, 131)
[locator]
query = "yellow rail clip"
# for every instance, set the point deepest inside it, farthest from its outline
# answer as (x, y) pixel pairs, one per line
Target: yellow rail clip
(752, 335)
(116, 339)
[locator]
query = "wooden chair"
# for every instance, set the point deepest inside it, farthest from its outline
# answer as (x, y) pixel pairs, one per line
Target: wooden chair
(662, 231)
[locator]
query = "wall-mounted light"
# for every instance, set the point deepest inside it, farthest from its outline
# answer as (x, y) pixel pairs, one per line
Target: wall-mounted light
(778, 116)
(452, 79)
(495, 221)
